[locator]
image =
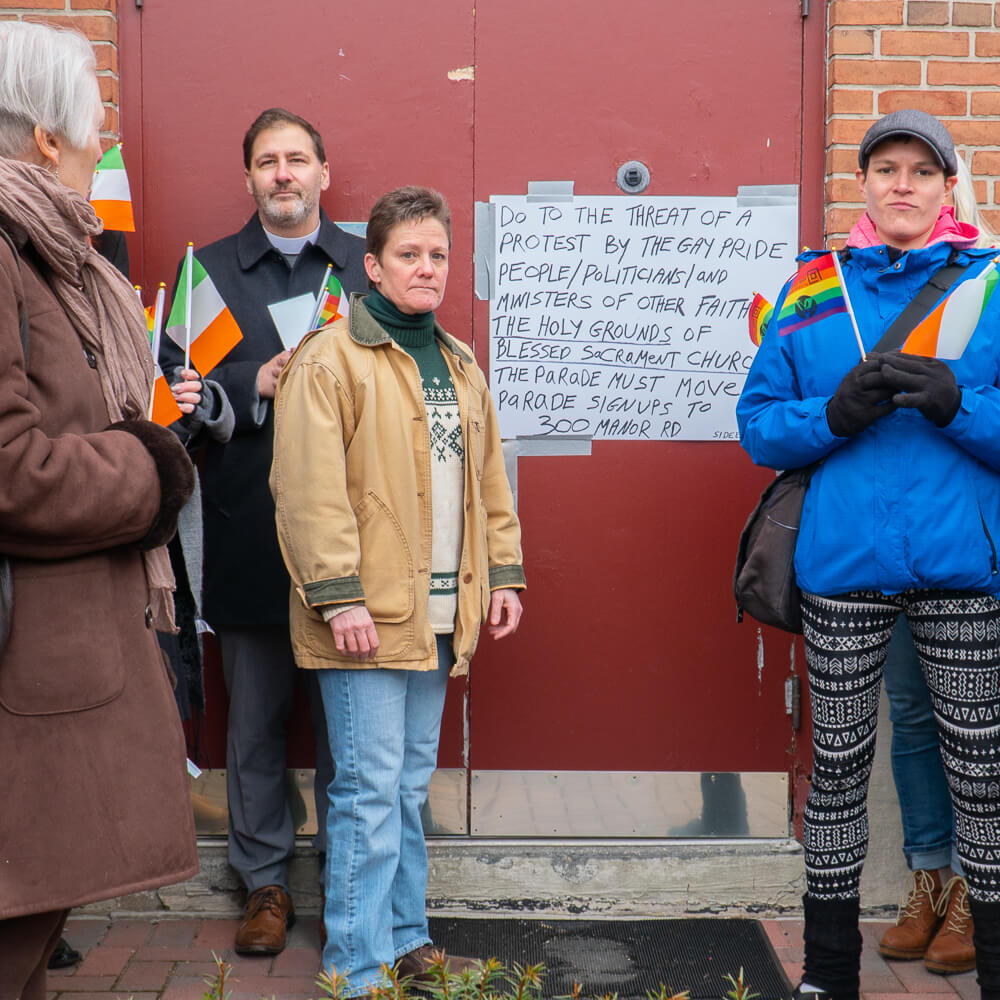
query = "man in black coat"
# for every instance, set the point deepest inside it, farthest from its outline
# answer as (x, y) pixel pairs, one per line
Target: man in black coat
(282, 252)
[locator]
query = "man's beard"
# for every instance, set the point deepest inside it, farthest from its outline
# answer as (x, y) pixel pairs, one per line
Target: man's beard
(282, 214)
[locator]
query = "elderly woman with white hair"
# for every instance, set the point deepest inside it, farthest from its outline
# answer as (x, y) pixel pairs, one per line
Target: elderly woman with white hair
(96, 796)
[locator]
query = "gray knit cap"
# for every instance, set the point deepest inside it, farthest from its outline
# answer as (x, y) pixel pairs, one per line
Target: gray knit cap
(914, 123)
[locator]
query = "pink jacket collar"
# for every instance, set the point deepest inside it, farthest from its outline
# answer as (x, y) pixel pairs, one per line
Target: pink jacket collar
(947, 229)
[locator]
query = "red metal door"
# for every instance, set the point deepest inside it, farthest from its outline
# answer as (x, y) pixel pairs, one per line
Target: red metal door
(629, 658)
(387, 91)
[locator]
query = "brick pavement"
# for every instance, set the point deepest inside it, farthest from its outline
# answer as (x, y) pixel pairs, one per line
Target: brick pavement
(168, 960)
(880, 980)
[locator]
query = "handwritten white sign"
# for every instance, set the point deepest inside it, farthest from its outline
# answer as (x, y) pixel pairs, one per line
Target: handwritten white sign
(626, 318)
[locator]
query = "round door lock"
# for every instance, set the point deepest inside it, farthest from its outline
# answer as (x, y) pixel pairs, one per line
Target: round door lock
(633, 177)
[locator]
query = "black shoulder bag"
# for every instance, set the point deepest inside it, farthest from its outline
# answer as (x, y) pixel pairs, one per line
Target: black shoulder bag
(764, 581)
(6, 578)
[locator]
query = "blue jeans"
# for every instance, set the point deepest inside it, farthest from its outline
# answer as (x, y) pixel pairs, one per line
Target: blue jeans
(924, 801)
(384, 726)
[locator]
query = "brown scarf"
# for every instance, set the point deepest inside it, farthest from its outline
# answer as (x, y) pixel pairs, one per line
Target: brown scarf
(36, 207)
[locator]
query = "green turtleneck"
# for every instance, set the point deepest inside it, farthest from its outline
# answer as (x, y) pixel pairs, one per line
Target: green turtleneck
(415, 335)
(415, 330)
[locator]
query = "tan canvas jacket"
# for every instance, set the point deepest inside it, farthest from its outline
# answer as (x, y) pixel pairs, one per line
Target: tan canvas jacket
(351, 481)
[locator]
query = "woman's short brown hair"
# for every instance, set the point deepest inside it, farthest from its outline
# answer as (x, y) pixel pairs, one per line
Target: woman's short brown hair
(405, 204)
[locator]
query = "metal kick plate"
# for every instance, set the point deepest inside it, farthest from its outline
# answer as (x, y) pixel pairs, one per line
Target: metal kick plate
(614, 804)
(598, 804)
(445, 814)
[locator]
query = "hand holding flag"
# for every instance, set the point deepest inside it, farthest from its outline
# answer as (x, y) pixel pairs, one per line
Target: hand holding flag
(863, 396)
(924, 384)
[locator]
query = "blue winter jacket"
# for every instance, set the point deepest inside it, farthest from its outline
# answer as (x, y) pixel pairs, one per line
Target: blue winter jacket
(904, 504)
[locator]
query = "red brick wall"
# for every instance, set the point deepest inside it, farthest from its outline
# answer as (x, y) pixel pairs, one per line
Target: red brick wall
(98, 20)
(937, 55)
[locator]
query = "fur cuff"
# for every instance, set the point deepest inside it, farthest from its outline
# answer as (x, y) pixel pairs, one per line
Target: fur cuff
(176, 477)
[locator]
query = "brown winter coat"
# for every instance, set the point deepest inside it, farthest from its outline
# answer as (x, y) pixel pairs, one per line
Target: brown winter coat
(95, 794)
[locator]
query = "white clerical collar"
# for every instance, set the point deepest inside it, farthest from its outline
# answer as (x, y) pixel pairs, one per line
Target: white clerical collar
(291, 244)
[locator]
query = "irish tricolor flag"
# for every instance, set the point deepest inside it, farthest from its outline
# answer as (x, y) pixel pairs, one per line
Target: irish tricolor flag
(110, 194)
(949, 327)
(163, 408)
(200, 323)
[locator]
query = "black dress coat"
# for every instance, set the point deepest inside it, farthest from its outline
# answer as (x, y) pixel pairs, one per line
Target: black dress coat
(246, 582)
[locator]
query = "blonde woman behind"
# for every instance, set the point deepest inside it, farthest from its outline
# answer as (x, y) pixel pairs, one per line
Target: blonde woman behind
(963, 197)
(934, 922)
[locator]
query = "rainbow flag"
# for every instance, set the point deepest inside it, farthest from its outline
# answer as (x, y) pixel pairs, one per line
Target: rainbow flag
(110, 194)
(760, 315)
(332, 304)
(814, 294)
(150, 312)
(214, 332)
(949, 327)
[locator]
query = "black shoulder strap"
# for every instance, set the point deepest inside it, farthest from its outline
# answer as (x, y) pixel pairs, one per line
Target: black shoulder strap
(22, 312)
(922, 303)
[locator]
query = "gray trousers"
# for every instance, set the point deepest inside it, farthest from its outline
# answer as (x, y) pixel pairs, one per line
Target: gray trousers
(260, 674)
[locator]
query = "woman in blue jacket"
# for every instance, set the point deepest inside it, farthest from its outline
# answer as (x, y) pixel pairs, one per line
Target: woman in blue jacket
(902, 516)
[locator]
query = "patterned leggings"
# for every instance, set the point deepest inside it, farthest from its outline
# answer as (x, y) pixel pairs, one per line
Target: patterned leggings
(957, 634)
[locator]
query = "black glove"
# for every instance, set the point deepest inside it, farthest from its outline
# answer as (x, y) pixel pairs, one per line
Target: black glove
(926, 384)
(863, 397)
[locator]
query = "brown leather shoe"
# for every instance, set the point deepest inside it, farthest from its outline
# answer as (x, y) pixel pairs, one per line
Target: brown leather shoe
(268, 915)
(918, 919)
(952, 949)
(418, 964)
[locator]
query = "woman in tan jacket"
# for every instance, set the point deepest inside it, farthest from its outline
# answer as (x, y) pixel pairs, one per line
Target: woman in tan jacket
(397, 524)
(95, 790)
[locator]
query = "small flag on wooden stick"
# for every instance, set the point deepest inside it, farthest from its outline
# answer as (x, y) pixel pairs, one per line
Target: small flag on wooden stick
(200, 322)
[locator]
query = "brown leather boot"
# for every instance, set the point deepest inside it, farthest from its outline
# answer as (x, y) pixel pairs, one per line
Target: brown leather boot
(419, 964)
(266, 918)
(918, 919)
(952, 949)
